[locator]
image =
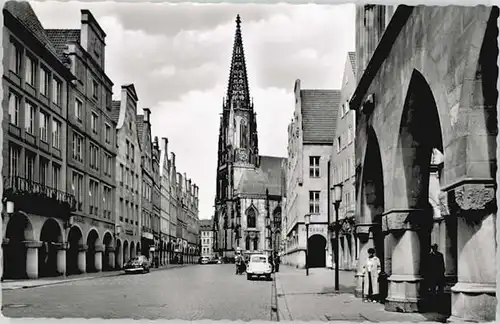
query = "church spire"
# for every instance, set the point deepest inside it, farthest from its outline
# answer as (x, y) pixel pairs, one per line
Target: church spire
(238, 94)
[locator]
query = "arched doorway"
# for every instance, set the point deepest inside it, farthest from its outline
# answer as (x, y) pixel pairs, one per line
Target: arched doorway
(372, 200)
(75, 241)
(92, 242)
(412, 171)
(50, 236)
(132, 249)
(316, 245)
(118, 255)
(19, 229)
(108, 243)
(125, 252)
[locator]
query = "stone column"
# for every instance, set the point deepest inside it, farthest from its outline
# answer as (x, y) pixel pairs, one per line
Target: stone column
(365, 237)
(119, 258)
(61, 258)
(474, 294)
(111, 257)
(98, 257)
(405, 280)
(82, 261)
(32, 258)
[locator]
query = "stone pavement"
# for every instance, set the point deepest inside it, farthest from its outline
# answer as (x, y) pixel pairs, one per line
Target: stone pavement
(312, 298)
(30, 283)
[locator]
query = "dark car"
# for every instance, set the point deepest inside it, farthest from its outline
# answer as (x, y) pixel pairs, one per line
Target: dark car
(137, 264)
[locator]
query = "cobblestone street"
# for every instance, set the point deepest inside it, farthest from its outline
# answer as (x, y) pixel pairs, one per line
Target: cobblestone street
(189, 293)
(312, 298)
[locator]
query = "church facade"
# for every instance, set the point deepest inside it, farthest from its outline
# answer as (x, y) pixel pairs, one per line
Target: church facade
(249, 186)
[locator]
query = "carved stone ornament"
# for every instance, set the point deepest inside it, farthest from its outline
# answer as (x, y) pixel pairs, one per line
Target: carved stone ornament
(474, 197)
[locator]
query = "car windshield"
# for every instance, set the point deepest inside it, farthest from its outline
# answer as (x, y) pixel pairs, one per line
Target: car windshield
(135, 259)
(259, 259)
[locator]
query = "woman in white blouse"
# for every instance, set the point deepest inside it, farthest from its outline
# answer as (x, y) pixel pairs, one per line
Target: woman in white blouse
(371, 270)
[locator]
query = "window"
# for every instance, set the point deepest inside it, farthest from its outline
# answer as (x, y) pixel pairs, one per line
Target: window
(77, 186)
(94, 122)
(14, 160)
(121, 209)
(132, 186)
(94, 157)
(339, 144)
(95, 89)
(122, 174)
(348, 168)
(29, 118)
(30, 72)
(44, 126)
(43, 170)
(93, 194)
(314, 166)
(349, 134)
(346, 107)
(132, 151)
(107, 134)
(56, 91)
(29, 165)
(78, 109)
(251, 218)
(15, 58)
(128, 148)
(314, 202)
(107, 199)
(14, 103)
(44, 82)
(56, 134)
(342, 111)
(77, 147)
(107, 164)
(56, 176)
(80, 69)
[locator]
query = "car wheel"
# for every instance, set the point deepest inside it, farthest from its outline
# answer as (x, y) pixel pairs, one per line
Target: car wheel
(249, 277)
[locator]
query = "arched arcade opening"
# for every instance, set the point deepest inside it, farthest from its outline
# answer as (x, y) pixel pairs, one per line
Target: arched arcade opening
(19, 230)
(52, 239)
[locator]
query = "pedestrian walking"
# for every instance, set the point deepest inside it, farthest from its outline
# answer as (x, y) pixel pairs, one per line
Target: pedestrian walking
(371, 270)
(435, 271)
(277, 262)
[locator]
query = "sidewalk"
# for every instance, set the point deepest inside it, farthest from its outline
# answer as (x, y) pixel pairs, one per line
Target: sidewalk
(31, 283)
(312, 298)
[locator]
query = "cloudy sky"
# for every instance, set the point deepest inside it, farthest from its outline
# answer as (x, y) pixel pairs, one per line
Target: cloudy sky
(178, 57)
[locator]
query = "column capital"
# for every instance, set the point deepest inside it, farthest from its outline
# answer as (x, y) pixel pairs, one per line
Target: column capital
(82, 247)
(99, 248)
(110, 248)
(61, 246)
(405, 219)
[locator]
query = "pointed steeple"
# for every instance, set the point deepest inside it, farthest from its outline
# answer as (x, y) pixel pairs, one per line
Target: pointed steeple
(238, 94)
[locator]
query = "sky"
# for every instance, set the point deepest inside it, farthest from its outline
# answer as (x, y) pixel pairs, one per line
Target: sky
(178, 58)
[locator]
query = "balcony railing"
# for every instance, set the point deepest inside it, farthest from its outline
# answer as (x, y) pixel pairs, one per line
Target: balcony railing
(36, 198)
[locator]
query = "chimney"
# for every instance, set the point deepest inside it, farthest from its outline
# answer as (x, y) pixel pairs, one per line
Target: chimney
(165, 145)
(147, 114)
(157, 146)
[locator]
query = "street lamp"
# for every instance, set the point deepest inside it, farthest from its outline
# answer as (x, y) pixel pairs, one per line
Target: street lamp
(307, 219)
(337, 199)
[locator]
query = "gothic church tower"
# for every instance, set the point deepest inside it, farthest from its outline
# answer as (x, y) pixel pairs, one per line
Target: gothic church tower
(238, 143)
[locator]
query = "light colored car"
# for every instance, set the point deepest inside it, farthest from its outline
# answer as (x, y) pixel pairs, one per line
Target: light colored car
(258, 266)
(139, 263)
(205, 260)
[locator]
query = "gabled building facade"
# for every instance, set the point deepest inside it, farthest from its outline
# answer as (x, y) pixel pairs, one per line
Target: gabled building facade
(36, 85)
(146, 162)
(343, 168)
(91, 141)
(310, 139)
(165, 235)
(129, 176)
(156, 200)
(207, 238)
(248, 186)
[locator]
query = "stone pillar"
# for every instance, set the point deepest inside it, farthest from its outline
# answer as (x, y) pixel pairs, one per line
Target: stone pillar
(61, 258)
(82, 261)
(98, 257)
(119, 258)
(405, 280)
(32, 258)
(111, 257)
(474, 294)
(365, 237)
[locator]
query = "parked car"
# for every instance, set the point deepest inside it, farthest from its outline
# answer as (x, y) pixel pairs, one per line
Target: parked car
(137, 264)
(205, 260)
(259, 266)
